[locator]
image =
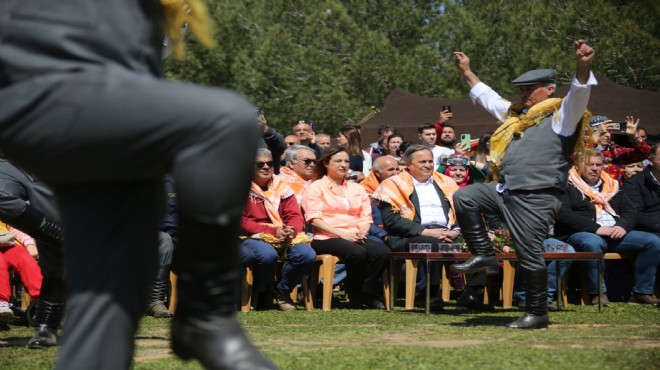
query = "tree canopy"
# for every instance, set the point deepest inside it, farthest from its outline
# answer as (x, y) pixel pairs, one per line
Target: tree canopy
(330, 61)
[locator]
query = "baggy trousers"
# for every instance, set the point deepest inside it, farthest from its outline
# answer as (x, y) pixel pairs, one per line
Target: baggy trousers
(103, 137)
(527, 214)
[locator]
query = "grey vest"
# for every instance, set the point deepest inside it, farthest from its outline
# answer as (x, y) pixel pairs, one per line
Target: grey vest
(538, 159)
(45, 36)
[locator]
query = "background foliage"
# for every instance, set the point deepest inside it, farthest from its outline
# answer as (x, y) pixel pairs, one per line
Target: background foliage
(329, 61)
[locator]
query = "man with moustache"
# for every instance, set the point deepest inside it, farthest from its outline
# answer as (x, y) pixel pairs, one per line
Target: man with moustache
(529, 186)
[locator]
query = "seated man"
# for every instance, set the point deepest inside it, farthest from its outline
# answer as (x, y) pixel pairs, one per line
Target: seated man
(416, 205)
(271, 226)
(299, 163)
(596, 217)
(643, 190)
(383, 168)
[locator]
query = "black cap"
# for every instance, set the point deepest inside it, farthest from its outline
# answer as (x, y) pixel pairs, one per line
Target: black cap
(535, 76)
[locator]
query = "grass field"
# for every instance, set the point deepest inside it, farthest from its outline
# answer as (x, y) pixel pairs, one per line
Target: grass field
(623, 336)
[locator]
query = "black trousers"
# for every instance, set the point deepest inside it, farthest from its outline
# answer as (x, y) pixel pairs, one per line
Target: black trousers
(364, 262)
(103, 137)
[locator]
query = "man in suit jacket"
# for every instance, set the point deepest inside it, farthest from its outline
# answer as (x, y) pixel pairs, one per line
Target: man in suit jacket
(416, 207)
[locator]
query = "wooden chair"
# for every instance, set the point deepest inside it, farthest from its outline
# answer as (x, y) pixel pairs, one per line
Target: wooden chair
(246, 290)
(326, 270)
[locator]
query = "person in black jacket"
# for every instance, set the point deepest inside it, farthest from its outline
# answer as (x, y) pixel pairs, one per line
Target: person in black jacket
(643, 190)
(596, 217)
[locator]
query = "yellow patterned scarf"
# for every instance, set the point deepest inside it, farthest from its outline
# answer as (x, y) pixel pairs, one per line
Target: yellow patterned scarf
(397, 190)
(198, 20)
(516, 122)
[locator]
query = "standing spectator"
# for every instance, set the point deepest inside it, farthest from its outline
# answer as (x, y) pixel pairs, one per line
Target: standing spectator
(427, 136)
(643, 190)
(323, 140)
(482, 155)
(392, 144)
(340, 214)
(632, 169)
(615, 155)
(271, 140)
(379, 148)
(444, 116)
(306, 135)
(349, 138)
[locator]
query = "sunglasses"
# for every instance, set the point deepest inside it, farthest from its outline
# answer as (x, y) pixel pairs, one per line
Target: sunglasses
(307, 162)
(263, 164)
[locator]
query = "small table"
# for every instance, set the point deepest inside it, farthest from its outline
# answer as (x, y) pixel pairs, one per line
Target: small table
(506, 257)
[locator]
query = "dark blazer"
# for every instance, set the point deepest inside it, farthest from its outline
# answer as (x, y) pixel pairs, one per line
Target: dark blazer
(399, 229)
(577, 213)
(644, 194)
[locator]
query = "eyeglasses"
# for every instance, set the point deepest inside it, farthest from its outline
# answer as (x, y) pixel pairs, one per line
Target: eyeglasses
(307, 162)
(290, 143)
(263, 164)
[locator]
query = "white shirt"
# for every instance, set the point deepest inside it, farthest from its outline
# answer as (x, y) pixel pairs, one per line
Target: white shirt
(430, 205)
(605, 218)
(564, 122)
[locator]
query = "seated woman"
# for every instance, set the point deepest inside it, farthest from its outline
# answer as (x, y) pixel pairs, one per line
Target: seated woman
(271, 227)
(340, 214)
(18, 251)
(459, 168)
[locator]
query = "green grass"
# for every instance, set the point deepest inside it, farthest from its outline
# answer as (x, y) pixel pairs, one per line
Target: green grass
(623, 336)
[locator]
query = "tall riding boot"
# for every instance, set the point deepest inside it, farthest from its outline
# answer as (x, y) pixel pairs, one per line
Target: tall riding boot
(156, 304)
(536, 310)
(47, 319)
(475, 234)
(205, 326)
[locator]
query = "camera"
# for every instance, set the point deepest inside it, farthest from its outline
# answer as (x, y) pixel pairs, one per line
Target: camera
(446, 108)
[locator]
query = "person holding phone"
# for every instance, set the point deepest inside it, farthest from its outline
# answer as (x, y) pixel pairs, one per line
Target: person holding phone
(528, 185)
(617, 156)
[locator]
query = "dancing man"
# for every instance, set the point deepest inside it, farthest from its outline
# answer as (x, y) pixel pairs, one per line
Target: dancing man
(531, 155)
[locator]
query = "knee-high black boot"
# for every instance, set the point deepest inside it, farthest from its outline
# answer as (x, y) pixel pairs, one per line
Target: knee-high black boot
(156, 304)
(475, 234)
(536, 311)
(205, 326)
(47, 319)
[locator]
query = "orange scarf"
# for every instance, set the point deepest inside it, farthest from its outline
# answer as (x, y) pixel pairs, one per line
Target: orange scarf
(297, 183)
(370, 183)
(277, 190)
(601, 199)
(397, 190)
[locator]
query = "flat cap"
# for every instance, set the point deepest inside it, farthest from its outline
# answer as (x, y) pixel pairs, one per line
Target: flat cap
(535, 76)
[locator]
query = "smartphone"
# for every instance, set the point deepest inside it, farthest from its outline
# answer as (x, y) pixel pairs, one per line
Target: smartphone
(465, 140)
(446, 108)
(619, 126)
(311, 126)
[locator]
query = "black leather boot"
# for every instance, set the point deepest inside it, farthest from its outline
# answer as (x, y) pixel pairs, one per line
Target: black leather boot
(536, 293)
(475, 234)
(47, 320)
(156, 304)
(205, 326)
